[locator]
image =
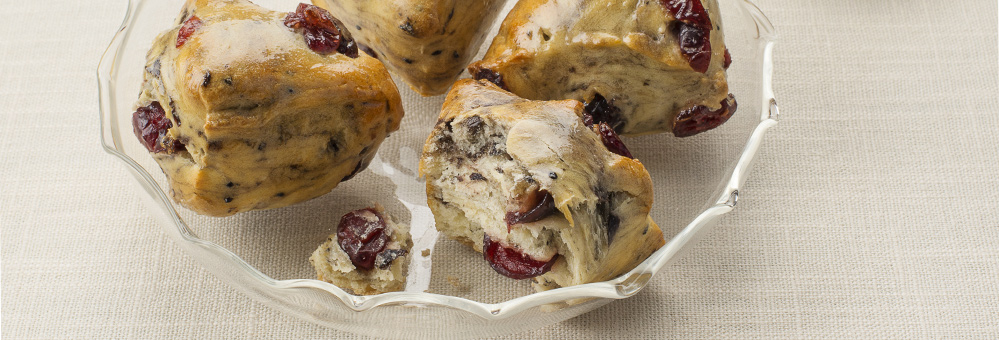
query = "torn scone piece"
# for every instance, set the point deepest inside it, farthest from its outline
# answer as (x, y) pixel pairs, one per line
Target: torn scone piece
(640, 66)
(542, 194)
(428, 43)
(245, 108)
(367, 255)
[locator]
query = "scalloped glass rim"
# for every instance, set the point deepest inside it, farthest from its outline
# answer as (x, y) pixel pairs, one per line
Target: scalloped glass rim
(275, 293)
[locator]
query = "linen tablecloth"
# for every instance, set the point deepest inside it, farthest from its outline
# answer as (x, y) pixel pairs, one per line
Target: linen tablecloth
(872, 211)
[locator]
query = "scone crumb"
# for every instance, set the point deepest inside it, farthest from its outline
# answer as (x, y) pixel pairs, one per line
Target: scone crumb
(425, 252)
(460, 288)
(387, 267)
(454, 281)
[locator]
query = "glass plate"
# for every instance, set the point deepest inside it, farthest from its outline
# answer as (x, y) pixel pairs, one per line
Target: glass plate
(264, 254)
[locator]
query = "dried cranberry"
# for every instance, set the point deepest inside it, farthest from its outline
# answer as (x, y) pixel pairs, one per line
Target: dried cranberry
(602, 111)
(612, 141)
(150, 124)
(489, 75)
(693, 31)
(187, 29)
(361, 234)
(691, 11)
(695, 45)
(512, 263)
(728, 59)
(699, 118)
(534, 207)
(324, 33)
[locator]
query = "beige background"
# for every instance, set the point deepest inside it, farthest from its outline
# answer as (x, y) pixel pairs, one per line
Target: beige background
(873, 210)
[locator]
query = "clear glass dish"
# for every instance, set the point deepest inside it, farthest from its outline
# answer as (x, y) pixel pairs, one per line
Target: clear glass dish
(452, 293)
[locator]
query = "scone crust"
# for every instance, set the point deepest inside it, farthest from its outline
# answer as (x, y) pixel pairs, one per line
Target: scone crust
(266, 121)
(548, 137)
(427, 43)
(621, 50)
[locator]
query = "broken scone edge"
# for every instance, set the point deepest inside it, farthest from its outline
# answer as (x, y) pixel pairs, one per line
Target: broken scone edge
(636, 238)
(333, 265)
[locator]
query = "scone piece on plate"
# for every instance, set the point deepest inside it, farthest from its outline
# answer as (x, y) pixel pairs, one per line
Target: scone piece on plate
(426, 42)
(245, 108)
(539, 192)
(640, 66)
(367, 255)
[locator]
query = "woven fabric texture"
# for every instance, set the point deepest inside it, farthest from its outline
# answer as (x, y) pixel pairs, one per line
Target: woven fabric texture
(872, 210)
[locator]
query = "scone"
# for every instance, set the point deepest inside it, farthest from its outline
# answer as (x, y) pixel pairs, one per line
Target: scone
(640, 66)
(367, 255)
(427, 43)
(245, 108)
(539, 192)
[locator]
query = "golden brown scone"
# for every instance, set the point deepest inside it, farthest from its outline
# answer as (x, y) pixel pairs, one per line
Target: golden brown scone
(241, 114)
(535, 189)
(387, 266)
(427, 43)
(641, 66)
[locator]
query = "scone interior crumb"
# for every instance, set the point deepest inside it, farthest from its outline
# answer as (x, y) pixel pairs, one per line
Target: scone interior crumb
(484, 179)
(534, 189)
(333, 265)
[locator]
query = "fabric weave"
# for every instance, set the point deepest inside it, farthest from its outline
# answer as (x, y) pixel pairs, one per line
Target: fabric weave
(871, 212)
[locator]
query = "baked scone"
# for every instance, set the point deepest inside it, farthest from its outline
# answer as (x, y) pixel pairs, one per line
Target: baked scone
(245, 108)
(367, 255)
(640, 66)
(539, 192)
(426, 42)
